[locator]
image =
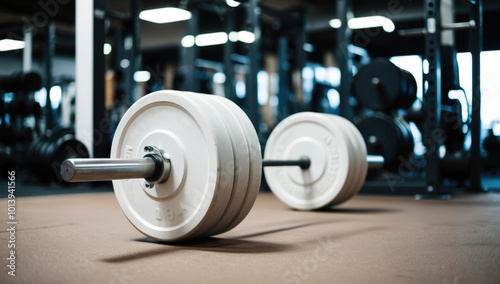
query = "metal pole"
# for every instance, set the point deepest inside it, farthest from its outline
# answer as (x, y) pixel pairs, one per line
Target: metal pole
(375, 162)
(432, 98)
(229, 47)
(76, 170)
(344, 33)
(28, 49)
(284, 78)
(50, 49)
(84, 79)
(476, 46)
(302, 163)
(190, 54)
(253, 108)
(135, 54)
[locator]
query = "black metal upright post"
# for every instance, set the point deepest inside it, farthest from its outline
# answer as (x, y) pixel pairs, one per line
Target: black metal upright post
(300, 54)
(476, 46)
(229, 26)
(100, 134)
(253, 108)
(189, 54)
(118, 55)
(28, 48)
(284, 80)
(301, 40)
(344, 33)
(135, 55)
(449, 65)
(432, 135)
(50, 51)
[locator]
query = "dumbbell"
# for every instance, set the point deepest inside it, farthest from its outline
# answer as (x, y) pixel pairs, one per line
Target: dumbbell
(187, 165)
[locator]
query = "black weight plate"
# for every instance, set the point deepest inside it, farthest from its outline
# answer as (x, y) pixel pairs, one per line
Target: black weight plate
(66, 147)
(408, 91)
(378, 85)
(43, 160)
(33, 152)
(42, 153)
(386, 136)
(456, 165)
(59, 131)
(453, 125)
(408, 142)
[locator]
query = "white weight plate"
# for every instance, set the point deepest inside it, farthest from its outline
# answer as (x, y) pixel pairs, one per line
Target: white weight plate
(190, 198)
(359, 158)
(352, 153)
(255, 161)
(342, 134)
(226, 153)
(362, 162)
(316, 137)
(363, 157)
(239, 168)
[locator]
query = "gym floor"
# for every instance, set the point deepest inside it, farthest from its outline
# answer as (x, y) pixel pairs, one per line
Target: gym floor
(85, 238)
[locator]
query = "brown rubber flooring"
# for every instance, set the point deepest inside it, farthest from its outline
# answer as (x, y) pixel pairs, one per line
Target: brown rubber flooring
(85, 238)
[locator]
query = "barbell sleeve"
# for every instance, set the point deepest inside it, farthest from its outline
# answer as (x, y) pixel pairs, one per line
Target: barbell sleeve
(375, 161)
(76, 170)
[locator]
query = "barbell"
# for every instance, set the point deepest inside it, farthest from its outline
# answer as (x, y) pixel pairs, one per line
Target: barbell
(188, 165)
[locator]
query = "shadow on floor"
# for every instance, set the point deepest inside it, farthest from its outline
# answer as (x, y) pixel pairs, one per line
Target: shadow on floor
(204, 244)
(348, 210)
(233, 245)
(278, 230)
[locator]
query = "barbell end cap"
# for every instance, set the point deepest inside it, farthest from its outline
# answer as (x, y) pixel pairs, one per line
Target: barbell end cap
(68, 170)
(375, 161)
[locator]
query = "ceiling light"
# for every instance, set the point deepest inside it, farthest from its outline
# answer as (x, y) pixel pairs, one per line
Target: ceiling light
(219, 78)
(232, 3)
(211, 39)
(124, 63)
(233, 36)
(243, 36)
(11, 44)
(187, 41)
(371, 22)
(366, 22)
(142, 76)
(335, 23)
(246, 36)
(165, 15)
(107, 48)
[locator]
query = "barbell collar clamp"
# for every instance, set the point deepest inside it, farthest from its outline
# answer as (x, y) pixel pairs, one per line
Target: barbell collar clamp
(154, 167)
